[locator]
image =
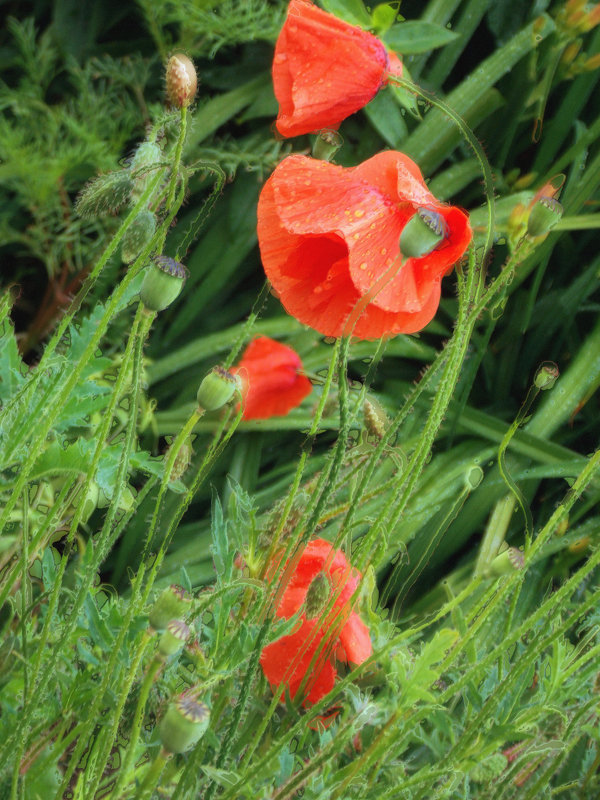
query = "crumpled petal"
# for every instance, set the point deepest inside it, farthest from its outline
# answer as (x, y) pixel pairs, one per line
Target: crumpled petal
(355, 640)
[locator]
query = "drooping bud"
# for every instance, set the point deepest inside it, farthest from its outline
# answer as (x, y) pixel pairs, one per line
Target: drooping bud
(172, 603)
(544, 215)
(173, 638)
(317, 595)
(162, 283)
(145, 158)
(217, 388)
(105, 194)
(137, 236)
(326, 144)
(546, 376)
(184, 723)
(181, 80)
(182, 460)
(376, 420)
(423, 233)
(509, 561)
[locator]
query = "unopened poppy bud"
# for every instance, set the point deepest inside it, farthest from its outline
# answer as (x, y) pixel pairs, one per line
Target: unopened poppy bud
(162, 283)
(422, 234)
(104, 194)
(137, 236)
(173, 638)
(546, 376)
(184, 723)
(142, 167)
(376, 421)
(509, 561)
(316, 595)
(172, 603)
(181, 80)
(216, 389)
(326, 144)
(182, 460)
(544, 216)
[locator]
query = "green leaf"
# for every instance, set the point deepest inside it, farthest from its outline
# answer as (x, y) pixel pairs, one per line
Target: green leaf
(417, 37)
(383, 17)
(352, 11)
(12, 369)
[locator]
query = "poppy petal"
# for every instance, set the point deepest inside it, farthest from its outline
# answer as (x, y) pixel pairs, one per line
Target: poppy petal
(355, 640)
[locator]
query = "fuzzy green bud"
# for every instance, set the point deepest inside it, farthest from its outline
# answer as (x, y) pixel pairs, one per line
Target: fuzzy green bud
(173, 638)
(216, 389)
(376, 420)
(162, 283)
(137, 236)
(546, 376)
(326, 144)
(423, 233)
(544, 215)
(142, 167)
(184, 723)
(172, 603)
(105, 194)
(182, 460)
(509, 561)
(181, 80)
(317, 595)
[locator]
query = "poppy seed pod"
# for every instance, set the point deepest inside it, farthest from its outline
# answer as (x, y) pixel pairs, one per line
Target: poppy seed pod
(317, 595)
(546, 376)
(182, 80)
(422, 234)
(184, 723)
(509, 561)
(173, 638)
(173, 603)
(216, 389)
(545, 214)
(162, 283)
(326, 144)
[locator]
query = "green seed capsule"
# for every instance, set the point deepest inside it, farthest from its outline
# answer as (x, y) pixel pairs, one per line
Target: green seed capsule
(184, 723)
(216, 389)
(509, 561)
(137, 236)
(317, 595)
(171, 604)
(546, 376)
(544, 216)
(326, 144)
(423, 233)
(162, 283)
(173, 639)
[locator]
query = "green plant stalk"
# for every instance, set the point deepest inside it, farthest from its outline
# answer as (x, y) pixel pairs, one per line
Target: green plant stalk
(69, 383)
(177, 159)
(494, 534)
(152, 776)
(138, 718)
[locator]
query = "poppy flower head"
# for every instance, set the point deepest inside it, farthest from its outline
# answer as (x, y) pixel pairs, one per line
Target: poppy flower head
(329, 240)
(325, 69)
(326, 630)
(272, 383)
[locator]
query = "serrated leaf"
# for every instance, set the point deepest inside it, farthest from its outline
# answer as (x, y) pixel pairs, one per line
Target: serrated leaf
(352, 11)
(225, 778)
(223, 554)
(12, 369)
(417, 37)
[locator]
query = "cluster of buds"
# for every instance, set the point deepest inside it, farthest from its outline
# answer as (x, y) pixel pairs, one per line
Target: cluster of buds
(576, 17)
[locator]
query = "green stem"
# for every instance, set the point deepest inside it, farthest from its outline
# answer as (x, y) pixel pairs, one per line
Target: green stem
(177, 159)
(152, 776)
(494, 534)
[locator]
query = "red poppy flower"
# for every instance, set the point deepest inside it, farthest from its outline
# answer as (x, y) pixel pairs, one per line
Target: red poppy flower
(329, 241)
(325, 69)
(305, 657)
(271, 381)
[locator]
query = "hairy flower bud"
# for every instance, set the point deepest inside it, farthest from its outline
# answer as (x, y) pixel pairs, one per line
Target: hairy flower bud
(137, 236)
(181, 80)
(184, 723)
(216, 389)
(143, 167)
(104, 194)
(172, 603)
(376, 420)
(162, 283)
(422, 234)
(173, 638)
(544, 216)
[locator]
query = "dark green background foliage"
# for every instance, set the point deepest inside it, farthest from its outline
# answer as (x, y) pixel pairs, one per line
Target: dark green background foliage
(512, 662)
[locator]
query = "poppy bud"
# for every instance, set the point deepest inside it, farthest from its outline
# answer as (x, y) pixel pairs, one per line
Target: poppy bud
(137, 236)
(216, 389)
(422, 234)
(104, 194)
(173, 638)
(509, 561)
(146, 156)
(182, 461)
(376, 421)
(326, 144)
(544, 216)
(172, 603)
(316, 595)
(184, 723)
(181, 80)
(162, 283)
(546, 376)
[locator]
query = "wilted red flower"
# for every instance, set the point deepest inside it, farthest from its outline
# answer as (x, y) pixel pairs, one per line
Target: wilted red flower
(325, 69)
(271, 380)
(329, 241)
(305, 657)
